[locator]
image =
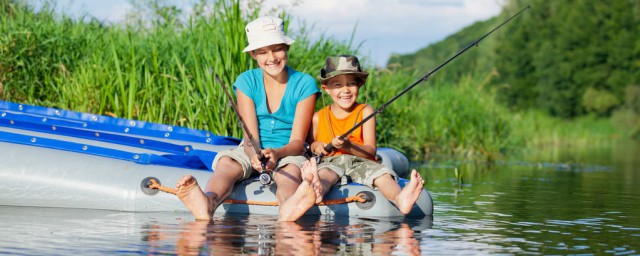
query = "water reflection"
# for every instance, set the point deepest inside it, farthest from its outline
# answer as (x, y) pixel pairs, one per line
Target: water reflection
(263, 235)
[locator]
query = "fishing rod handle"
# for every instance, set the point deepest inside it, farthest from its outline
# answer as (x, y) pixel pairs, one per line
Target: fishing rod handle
(261, 157)
(263, 161)
(329, 148)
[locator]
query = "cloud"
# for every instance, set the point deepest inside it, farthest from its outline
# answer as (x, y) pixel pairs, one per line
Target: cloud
(108, 11)
(386, 26)
(115, 12)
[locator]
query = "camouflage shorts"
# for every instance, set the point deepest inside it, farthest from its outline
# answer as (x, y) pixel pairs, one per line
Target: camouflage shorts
(358, 169)
(243, 159)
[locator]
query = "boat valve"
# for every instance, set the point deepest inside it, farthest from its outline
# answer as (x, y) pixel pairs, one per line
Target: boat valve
(146, 184)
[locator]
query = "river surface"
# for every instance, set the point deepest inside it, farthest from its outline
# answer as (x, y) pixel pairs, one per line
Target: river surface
(569, 201)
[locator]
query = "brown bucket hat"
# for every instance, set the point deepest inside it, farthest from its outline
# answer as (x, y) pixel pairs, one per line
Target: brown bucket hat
(340, 65)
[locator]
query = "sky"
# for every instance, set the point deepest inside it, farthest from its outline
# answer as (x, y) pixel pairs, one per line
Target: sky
(384, 27)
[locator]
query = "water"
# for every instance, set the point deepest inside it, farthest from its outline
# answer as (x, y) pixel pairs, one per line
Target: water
(572, 202)
(580, 201)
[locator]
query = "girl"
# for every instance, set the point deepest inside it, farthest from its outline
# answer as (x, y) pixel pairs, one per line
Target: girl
(276, 103)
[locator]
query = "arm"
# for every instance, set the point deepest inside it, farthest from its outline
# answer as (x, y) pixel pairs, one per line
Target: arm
(301, 123)
(317, 147)
(247, 109)
(369, 134)
(368, 149)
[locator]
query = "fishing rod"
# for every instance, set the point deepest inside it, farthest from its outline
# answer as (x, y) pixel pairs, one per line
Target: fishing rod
(265, 175)
(330, 146)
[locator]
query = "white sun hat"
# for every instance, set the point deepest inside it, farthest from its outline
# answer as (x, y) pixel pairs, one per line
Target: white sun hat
(265, 31)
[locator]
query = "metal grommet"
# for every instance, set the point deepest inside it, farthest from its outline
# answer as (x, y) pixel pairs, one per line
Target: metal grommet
(371, 200)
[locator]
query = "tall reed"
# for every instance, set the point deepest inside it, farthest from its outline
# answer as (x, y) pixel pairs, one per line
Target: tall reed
(161, 72)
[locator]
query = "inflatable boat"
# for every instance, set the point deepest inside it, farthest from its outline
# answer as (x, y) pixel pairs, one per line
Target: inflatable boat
(58, 158)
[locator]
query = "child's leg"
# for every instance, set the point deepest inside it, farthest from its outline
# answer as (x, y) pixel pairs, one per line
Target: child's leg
(203, 204)
(327, 178)
(387, 186)
(402, 198)
(332, 169)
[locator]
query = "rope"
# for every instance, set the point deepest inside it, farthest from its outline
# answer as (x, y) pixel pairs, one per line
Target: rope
(235, 201)
(357, 198)
(155, 185)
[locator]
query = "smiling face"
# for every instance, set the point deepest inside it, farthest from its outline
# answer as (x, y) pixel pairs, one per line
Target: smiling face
(343, 89)
(272, 59)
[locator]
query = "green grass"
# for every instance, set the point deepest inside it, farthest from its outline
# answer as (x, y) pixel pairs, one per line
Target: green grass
(538, 130)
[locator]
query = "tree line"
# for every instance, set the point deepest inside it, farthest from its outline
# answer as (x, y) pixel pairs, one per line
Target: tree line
(568, 58)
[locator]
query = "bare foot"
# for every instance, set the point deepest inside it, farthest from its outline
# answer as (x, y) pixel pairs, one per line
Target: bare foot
(304, 197)
(194, 198)
(310, 174)
(410, 193)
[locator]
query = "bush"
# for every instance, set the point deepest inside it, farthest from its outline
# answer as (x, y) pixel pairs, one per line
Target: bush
(600, 102)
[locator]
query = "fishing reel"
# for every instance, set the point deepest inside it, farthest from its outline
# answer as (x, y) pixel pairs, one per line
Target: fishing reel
(317, 158)
(265, 177)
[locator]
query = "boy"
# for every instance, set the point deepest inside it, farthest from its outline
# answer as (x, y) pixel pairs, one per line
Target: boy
(354, 157)
(276, 104)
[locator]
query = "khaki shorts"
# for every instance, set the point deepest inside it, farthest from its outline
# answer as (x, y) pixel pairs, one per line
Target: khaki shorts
(243, 159)
(358, 169)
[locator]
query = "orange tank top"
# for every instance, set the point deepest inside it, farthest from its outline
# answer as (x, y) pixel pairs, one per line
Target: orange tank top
(329, 126)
